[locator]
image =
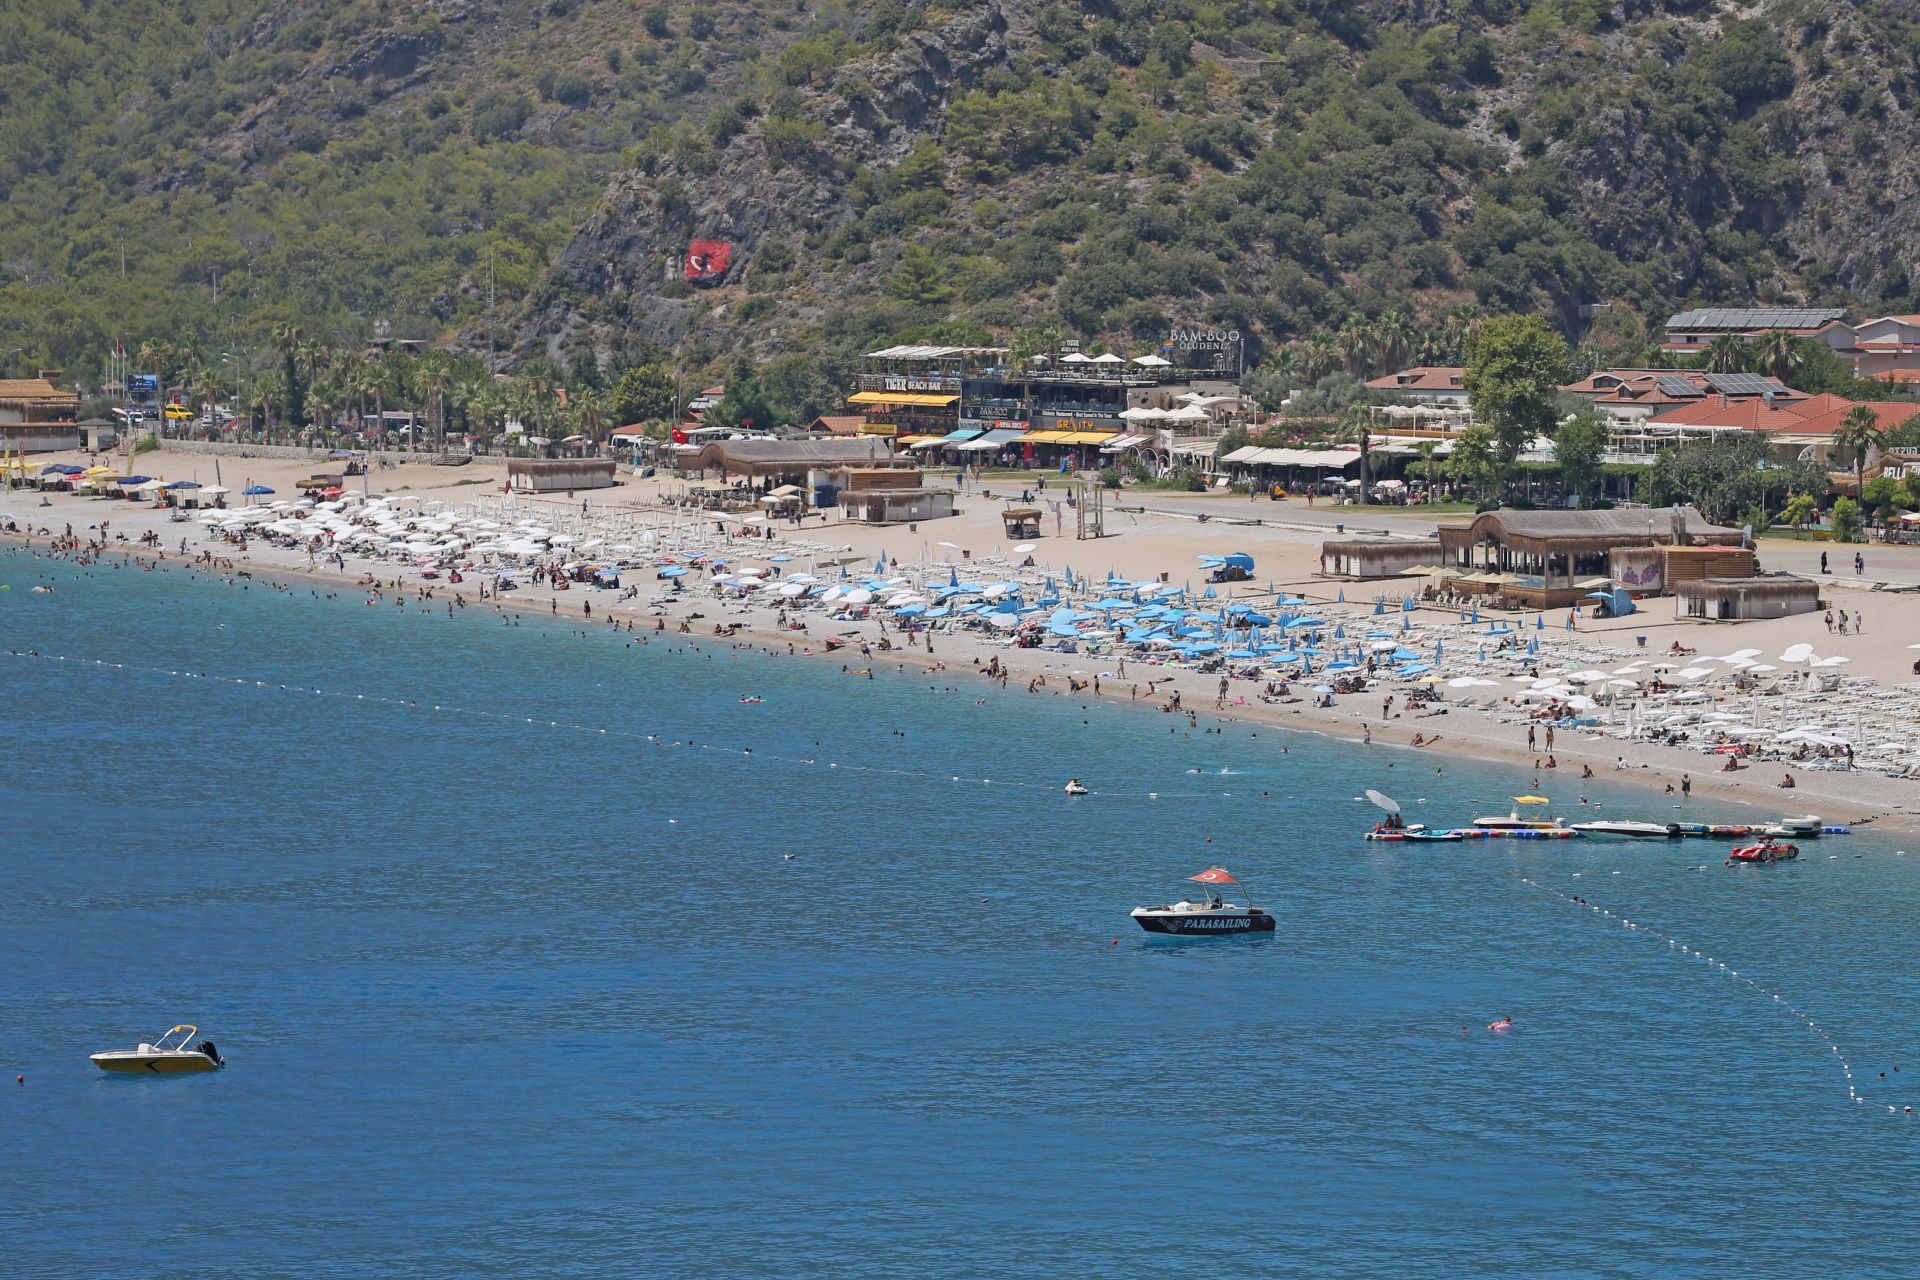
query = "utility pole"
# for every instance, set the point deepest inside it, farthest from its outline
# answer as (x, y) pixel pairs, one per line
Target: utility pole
(490, 343)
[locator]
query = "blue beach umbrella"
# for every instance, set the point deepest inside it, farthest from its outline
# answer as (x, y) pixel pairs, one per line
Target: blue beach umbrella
(1343, 595)
(1379, 607)
(256, 489)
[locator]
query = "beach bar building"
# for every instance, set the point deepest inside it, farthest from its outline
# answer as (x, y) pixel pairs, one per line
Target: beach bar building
(555, 475)
(1546, 559)
(895, 506)
(1376, 557)
(1738, 599)
(790, 461)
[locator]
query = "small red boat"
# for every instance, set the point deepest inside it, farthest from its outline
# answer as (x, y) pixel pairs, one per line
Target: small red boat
(1764, 852)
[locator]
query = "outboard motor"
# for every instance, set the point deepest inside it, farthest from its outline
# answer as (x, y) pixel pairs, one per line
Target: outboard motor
(206, 1047)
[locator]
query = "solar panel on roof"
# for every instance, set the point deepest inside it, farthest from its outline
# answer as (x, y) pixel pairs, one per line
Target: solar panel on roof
(1673, 384)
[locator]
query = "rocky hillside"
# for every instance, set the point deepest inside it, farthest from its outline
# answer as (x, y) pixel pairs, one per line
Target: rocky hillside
(962, 169)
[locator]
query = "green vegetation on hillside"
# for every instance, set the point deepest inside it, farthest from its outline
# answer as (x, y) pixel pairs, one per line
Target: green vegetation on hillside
(1348, 187)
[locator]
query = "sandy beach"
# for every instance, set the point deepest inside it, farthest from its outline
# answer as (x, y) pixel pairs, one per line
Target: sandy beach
(1166, 538)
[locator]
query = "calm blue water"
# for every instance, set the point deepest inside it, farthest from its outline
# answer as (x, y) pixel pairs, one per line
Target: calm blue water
(504, 998)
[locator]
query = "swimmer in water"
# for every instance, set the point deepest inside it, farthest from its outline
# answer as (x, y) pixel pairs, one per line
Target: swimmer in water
(1501, 1027)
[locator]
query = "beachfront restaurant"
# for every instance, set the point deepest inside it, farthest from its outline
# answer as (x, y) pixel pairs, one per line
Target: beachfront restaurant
(1549, 559)
(1737, 599)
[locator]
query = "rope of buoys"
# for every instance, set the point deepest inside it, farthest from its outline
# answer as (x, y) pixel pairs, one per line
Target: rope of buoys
(650, 739)
(1777, 999)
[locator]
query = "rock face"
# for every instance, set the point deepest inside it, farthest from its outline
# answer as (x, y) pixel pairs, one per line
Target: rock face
(624, 267)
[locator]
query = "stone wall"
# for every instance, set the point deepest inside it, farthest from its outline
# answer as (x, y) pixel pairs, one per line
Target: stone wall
(228, 449)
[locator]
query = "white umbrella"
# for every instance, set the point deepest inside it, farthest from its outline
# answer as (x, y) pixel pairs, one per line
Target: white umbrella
(1153, 362)
(1023, 548)
(1835, 661)
(1580, 702)
(1798, 653)
(793, 589)
(1693, 673)
(1076, 358)
(1761, 668)
(859, 595)
(1109, 358)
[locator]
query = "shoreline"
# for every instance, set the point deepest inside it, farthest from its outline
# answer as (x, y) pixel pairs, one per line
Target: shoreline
(1460, 731)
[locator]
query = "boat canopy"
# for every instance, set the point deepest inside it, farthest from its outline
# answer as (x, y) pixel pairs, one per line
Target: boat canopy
(1214, 875)
(1531, 800)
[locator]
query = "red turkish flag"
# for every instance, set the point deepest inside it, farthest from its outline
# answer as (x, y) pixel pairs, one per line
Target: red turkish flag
(678, 436)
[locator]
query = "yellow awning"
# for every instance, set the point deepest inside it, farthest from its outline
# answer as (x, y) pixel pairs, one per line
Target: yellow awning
(917, 439)
(910, 399)
(1044, 437)
(878, 429)
(1089, 437)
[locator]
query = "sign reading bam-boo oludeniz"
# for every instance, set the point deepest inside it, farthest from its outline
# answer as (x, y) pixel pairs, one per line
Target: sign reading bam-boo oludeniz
(1190, 347)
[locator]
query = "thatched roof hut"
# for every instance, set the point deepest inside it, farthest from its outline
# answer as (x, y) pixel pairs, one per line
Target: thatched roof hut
(1728, 599)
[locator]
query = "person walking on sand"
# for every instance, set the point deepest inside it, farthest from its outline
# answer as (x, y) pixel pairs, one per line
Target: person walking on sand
(1549, 737)
(1859, 564)
(1858, 629)
(1829, 621)
(1530, 737)
(1686, 786)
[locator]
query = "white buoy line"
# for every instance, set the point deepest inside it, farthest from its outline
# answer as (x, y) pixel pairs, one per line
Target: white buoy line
(1775, 998)
(656, 740)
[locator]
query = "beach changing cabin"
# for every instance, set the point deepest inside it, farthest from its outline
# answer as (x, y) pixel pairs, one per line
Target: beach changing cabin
(1738, 599)
(559, 475)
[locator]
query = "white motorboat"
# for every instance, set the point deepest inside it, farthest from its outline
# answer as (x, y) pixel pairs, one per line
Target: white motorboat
(1212, 916)
(169, 1055)
(1627, 830)
(1075, 788)
(1514, 822)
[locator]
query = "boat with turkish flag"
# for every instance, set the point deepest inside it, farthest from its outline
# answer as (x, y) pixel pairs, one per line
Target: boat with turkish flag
(1212, 916)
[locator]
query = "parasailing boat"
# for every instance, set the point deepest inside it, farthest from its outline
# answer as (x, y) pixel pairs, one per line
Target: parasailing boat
(169, 1055)
(1211, 916)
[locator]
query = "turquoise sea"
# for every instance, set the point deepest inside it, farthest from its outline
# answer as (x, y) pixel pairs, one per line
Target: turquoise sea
(502, 993)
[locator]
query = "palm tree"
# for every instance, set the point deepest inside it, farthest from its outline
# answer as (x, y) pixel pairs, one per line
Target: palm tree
(268, 394)
(1726, 354)
(1356, 424)
(1861, 432)
(1355, 344)
(1427, 449)
(288, 338)
(591, 410)
(1394, 340)
(433, 378)
(1319, 356)
(1779, 354)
